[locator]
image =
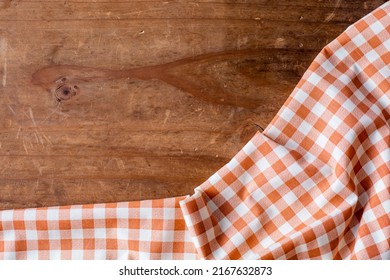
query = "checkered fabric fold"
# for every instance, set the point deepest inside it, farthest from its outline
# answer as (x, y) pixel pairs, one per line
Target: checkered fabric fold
(314, 185)
(152, 229)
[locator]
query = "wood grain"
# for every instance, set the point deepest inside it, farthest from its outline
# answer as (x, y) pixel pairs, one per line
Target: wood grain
(104, 101)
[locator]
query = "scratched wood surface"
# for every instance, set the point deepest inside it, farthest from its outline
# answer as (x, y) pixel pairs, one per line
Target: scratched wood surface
(128, 100)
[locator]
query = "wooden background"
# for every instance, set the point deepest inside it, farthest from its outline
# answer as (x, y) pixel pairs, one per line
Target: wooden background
(104, 101)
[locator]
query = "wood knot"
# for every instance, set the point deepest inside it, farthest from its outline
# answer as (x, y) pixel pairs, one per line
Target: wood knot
(65, 92)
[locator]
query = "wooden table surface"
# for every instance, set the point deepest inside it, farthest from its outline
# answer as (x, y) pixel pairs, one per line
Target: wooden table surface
(104, 101)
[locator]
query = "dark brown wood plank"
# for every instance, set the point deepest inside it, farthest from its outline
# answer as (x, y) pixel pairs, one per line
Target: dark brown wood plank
(166, 91)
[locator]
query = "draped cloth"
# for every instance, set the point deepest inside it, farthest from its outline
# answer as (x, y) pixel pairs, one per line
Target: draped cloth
(315, 184)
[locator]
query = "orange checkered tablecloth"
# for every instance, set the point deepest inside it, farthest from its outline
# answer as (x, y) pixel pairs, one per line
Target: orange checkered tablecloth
(314, 185)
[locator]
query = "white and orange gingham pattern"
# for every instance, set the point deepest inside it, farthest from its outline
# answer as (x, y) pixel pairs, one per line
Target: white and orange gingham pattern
(314, 185)
(152, 229)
